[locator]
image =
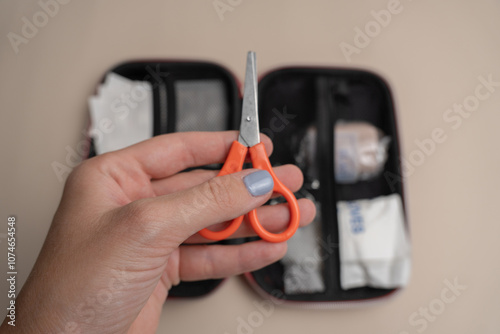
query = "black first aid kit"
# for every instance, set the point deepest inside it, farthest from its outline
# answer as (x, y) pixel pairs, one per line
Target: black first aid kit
(337, 125)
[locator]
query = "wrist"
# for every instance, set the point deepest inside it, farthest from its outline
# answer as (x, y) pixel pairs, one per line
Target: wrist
(34, 313)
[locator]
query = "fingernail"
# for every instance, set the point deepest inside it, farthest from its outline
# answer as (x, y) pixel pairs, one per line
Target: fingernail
(259, 183)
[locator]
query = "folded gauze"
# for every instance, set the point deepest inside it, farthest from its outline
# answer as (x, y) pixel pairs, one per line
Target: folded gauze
(302, 263)
(121, 113)
(374, 245)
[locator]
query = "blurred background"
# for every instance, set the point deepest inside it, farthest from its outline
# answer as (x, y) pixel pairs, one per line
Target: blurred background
(432, 54)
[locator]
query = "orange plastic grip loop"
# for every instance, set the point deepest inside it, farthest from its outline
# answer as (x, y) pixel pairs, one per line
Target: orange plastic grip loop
(261, 161)
(234, 163)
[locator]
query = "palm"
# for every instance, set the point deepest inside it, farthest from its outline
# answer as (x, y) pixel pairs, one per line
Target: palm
(126, 188)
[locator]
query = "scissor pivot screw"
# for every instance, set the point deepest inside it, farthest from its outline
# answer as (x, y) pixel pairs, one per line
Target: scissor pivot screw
(248, 119)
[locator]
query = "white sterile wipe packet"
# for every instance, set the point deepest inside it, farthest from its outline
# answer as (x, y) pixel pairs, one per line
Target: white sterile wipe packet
(374, 245)
(121, 113)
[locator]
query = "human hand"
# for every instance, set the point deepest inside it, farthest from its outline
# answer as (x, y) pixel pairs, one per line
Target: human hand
(119, 239)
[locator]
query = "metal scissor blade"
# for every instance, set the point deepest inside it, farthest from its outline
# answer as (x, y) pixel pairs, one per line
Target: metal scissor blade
(249, 127)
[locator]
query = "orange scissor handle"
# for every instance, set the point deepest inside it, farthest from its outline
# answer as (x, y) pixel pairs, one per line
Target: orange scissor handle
(234, 163)
(260, 160)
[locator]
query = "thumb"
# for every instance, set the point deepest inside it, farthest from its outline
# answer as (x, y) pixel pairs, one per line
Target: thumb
(222, 198)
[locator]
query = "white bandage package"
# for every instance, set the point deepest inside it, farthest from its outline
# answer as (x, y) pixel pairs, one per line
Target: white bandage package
(121, 113)
(374, 245)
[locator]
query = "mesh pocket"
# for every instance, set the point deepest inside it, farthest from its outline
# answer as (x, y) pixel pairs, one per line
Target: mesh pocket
(201, 105)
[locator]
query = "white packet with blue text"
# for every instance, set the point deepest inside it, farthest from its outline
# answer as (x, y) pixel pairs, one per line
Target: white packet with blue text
(374, 244)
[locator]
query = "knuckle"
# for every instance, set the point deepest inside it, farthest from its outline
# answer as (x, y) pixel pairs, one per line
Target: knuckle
(102, 160)
(89, 167)
(78, 175)
(137, 210)
(139, 218)
(220, 190)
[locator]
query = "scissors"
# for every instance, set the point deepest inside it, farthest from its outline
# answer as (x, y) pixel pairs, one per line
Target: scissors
(249, 141)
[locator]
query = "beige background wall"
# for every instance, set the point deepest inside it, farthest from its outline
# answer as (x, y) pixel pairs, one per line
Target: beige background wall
(431, 52)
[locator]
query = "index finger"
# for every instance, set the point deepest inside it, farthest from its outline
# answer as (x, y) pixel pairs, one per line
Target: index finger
(165, 155)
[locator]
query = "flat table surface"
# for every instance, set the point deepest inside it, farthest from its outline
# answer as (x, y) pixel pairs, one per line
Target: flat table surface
(433, 54)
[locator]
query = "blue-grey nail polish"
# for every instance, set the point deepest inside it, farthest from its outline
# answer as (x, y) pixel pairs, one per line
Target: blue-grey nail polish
(259, 183)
